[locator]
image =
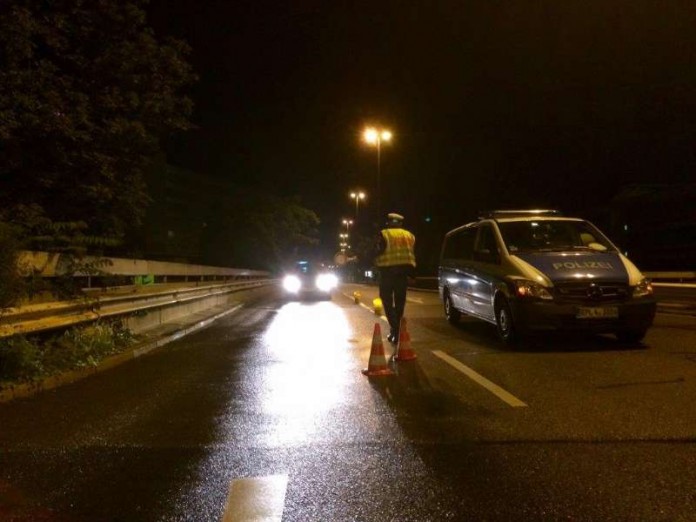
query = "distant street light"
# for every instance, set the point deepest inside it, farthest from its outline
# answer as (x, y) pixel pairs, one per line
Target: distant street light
(347, 223)
(375, 137)
(357, 196)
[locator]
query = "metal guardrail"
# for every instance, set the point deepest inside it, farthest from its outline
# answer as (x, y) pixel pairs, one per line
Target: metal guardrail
(103, 302)
(62, 314)
(48, 264)
(681, 277)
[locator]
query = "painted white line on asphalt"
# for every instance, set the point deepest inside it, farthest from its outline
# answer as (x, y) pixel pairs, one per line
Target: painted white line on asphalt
(256, 499)
(414, 300)
(480, 379)
(371, 310)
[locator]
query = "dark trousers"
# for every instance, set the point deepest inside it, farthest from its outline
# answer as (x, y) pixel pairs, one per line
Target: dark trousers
(393, 282)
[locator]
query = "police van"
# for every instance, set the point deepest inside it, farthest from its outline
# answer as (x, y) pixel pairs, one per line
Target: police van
(529, 271)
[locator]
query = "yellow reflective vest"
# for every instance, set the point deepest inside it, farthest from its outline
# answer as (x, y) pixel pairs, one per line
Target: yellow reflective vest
(399, 250)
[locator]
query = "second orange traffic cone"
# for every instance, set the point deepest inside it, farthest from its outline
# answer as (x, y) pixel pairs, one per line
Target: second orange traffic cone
(378, 361)
(404, 352)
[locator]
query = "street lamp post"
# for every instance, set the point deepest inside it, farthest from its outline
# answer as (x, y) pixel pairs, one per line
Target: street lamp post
(375, 137)
(347, 223)
(357, 196)
(343, 242)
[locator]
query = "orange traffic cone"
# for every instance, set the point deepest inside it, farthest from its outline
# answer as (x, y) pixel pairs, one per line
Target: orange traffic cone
(378, 361)
(403, 349)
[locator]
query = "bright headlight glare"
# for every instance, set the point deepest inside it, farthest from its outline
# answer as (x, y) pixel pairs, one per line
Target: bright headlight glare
(643, 288)
(292, 283)
(326, 282)
(530, 289)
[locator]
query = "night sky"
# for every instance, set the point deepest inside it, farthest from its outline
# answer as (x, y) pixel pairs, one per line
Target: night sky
(492, 104)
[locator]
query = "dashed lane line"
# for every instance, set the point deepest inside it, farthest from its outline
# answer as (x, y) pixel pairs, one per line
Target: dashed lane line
(499, 392)
(371, 310)
(256, 499)
(496, 390)
(409, 299)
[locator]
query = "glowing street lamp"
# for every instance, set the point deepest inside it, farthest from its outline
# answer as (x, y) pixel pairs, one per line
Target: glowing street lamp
(357, 196)
(347, 223)
(374, 137)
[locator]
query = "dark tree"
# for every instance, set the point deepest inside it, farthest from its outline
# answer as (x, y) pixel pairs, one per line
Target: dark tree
(86, 93)
(255, 229)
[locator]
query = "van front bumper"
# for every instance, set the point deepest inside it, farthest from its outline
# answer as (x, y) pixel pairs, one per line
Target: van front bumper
(609, 317)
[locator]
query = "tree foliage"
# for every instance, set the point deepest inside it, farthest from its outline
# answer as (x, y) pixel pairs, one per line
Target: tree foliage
(256, 229)
(86, 93)
(204, 219)
(11, 287)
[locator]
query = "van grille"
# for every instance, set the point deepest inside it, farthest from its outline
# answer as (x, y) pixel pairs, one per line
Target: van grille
(586, 292)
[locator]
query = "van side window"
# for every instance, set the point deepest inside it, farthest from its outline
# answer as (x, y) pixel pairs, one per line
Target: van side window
(460, 245)
(486, 246)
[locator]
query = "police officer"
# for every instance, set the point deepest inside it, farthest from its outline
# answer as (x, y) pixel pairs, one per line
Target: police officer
(396, 263)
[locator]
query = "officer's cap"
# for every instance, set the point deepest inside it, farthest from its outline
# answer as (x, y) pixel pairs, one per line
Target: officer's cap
(395, 219)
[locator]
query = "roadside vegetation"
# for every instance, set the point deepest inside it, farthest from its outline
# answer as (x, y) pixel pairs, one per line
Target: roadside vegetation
(91, 99)
(27, 359)
(90, 96)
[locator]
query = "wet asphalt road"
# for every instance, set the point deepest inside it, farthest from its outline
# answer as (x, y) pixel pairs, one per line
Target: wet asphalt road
(600, 431)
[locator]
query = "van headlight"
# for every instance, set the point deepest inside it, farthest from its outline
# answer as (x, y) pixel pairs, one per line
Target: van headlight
(643, 288)
(327, 282)
(530, 289)
(292, 284)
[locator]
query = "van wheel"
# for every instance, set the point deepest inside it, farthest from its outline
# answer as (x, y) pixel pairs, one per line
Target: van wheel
(504, 323)
(451, 312)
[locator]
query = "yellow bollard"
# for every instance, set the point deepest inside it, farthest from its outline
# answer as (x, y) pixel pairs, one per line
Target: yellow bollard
(377, 305)
(356, 297)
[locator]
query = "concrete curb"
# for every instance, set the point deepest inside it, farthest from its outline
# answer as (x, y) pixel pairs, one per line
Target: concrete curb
(24, 390)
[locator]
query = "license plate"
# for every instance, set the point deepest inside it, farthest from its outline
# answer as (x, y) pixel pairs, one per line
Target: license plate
(598, 312)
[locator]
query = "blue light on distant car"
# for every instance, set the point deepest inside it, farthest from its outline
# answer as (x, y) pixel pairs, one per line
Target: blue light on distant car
(327, 282)
(292, 284)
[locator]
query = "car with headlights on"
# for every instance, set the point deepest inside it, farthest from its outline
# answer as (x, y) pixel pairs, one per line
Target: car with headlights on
(531, 271)
(308, 279)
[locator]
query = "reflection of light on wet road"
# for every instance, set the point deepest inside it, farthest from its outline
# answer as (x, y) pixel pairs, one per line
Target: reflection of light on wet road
(307, 376)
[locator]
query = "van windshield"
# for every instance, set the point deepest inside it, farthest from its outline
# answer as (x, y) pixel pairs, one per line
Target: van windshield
(552, 236)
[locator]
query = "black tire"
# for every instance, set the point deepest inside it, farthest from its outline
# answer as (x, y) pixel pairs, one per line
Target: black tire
(630, 336)
(451, 313)
(507, 330)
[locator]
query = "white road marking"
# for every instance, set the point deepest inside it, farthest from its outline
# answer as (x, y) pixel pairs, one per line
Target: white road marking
(256, 499)
(371, 310)
(383, 317)
(480, 379)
